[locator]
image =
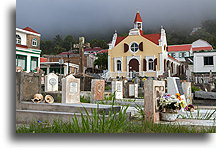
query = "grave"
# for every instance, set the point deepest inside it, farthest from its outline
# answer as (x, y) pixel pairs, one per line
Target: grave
(51, 82)
(130, 90)
(97, 89)
(153, 89)
(70, 89)
(174, 86)
(186, 86)
(117, 88)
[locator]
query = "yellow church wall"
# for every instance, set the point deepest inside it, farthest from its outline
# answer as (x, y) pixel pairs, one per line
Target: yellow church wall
(149, 49)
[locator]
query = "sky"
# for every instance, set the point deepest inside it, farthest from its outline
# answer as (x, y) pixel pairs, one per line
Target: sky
(100, 18)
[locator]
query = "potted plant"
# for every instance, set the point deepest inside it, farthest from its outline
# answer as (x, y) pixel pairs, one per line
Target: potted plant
(169, 107)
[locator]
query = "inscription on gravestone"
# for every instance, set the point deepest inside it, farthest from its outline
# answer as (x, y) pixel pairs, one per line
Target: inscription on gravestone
(52, 81)
(179, 87)
(73, 87)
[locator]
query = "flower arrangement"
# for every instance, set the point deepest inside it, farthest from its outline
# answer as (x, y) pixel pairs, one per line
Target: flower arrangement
(171, 103)
(189, 107)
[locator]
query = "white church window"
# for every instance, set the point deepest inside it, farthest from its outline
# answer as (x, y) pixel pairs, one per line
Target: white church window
(151, 64)
(134, 47)
(18, 39)
(118, 65)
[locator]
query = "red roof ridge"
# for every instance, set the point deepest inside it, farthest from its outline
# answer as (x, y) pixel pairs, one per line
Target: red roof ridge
(181, 45)
(30, 30)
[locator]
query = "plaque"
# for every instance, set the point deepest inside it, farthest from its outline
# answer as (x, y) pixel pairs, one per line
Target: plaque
(131, 90)
(179, 87)
(73, 87)
(52, 81)
(119, 88)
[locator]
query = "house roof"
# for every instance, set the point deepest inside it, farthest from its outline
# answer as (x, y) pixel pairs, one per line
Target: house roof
(103, 51)
(119, 39)
(93, 49)
(172, 58)
(137, 18)
(43, 59)
(30, 30)
(187, 47)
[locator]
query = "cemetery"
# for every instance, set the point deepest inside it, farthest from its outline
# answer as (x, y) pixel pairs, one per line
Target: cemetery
(148, 105)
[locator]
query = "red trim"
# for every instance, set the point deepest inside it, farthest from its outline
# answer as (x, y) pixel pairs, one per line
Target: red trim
(172, 58)
(22, 46)
(137, 18)
(187, 48)
(30, 30)
(103, 51)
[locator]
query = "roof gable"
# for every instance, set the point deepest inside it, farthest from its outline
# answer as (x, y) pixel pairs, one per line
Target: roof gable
(30, 30)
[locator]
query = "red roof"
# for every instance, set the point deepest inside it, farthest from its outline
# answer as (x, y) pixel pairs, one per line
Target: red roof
(187, 48)
(138, 18)
(103, 51)
(179, 48)
(43, 59)
(172, 58)
(119, 39)
(93, 49)
(22, 46)
(30, 29)
(153, 37)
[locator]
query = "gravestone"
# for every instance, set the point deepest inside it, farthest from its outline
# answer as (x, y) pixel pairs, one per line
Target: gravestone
(186, 86)
(70, 89)
(117, 88)
(51, 82)
(153, 90)
(97, 89)
(174, 86)
(130, 90)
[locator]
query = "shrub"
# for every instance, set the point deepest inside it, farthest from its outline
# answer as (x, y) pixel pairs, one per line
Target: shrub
(194, 88)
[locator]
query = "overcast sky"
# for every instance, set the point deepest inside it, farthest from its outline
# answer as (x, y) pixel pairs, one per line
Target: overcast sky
(102, 17)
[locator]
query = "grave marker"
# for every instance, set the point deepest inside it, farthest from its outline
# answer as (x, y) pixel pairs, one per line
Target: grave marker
(117, 88)
(70, 89)
(153, 90)
(51, 82)
(97, 89)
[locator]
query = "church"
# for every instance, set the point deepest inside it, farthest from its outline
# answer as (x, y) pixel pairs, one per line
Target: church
(142, 54)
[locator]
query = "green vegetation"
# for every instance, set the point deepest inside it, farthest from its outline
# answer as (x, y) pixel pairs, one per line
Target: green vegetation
(84, 99)
(194, 88)
(207, 116)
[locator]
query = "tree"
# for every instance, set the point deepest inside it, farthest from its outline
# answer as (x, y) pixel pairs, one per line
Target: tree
(99, 43)
(101, 61)
(68, 42)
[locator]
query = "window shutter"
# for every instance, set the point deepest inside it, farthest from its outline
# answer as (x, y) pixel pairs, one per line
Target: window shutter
(155, 64)
(126, 47)
(141, 46)
(144, 64)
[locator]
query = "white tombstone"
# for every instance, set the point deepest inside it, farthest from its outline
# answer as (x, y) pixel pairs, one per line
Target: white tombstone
(174, 86)
(117, 88)
(133, 90)
(51, 82)
(70, 89)
(186, 86)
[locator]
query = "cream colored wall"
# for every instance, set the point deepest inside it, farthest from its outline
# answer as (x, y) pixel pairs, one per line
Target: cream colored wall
(149, 49)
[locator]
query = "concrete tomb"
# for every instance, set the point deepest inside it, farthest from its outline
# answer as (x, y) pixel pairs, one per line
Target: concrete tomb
(153, 90)
(97, 89)
(51, 82)
(174, 86)
(117, 88)
(70, 89)
(186, 86)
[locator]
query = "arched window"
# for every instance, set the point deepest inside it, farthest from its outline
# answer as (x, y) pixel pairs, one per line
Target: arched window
(134, 47)
(151, 64)
(18, 39)
(34, 42)
(118, 65)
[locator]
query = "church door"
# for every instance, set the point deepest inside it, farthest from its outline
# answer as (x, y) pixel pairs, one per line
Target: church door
(134, 65)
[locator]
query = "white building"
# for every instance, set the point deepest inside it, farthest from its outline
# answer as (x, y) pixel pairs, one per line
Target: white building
(204, 62)
(180, 52)
(27, 49)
